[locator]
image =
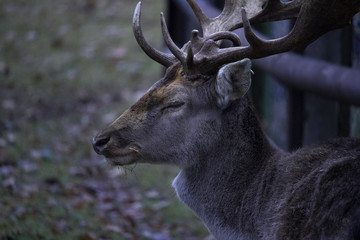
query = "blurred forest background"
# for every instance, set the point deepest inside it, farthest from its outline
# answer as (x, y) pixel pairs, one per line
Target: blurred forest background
(67, 69)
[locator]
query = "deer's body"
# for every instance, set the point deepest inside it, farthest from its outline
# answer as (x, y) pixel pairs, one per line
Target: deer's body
(240, 192)
(199, 118)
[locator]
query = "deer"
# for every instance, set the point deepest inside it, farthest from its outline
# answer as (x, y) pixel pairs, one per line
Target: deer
(200, 117)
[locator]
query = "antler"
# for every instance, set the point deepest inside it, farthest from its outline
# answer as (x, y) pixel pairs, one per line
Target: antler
(203, 54)
(314, 18)
(163, 58)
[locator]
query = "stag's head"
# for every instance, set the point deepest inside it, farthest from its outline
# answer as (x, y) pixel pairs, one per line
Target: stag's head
(179, 117)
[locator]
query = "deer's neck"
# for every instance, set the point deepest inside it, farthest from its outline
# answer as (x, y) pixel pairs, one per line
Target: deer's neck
(216, 187)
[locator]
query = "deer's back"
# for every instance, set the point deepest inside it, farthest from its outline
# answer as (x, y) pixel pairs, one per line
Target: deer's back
(322, 192)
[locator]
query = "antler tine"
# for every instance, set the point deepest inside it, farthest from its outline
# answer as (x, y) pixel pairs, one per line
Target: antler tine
(202, 18)
(190, 59)
(160, 57)
(226, 35)
(266, 47)
(180, 55)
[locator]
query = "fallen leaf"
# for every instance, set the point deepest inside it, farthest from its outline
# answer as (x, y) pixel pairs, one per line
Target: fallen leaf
(159, 205)
(28, 166)
(86, 236)
(152, 194)
(113, 228)
(9, 182)
(116, 54)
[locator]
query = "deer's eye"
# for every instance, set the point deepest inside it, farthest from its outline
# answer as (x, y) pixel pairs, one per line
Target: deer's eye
(174, 106)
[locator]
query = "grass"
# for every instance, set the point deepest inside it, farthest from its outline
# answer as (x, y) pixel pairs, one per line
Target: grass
(68, 68)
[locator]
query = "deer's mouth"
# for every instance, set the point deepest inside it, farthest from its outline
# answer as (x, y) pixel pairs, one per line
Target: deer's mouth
(121, 157)
(115, 151)
(120, 161)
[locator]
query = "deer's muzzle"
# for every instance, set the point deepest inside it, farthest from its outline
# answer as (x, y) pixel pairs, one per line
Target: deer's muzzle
(99, 143)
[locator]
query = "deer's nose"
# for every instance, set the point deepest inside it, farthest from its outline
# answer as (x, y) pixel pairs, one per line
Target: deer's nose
(99, 143)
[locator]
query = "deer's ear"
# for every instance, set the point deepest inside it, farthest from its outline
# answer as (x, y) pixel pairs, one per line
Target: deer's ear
(233, 81)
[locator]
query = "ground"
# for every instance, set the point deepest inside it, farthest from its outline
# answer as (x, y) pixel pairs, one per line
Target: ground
(67, 69)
